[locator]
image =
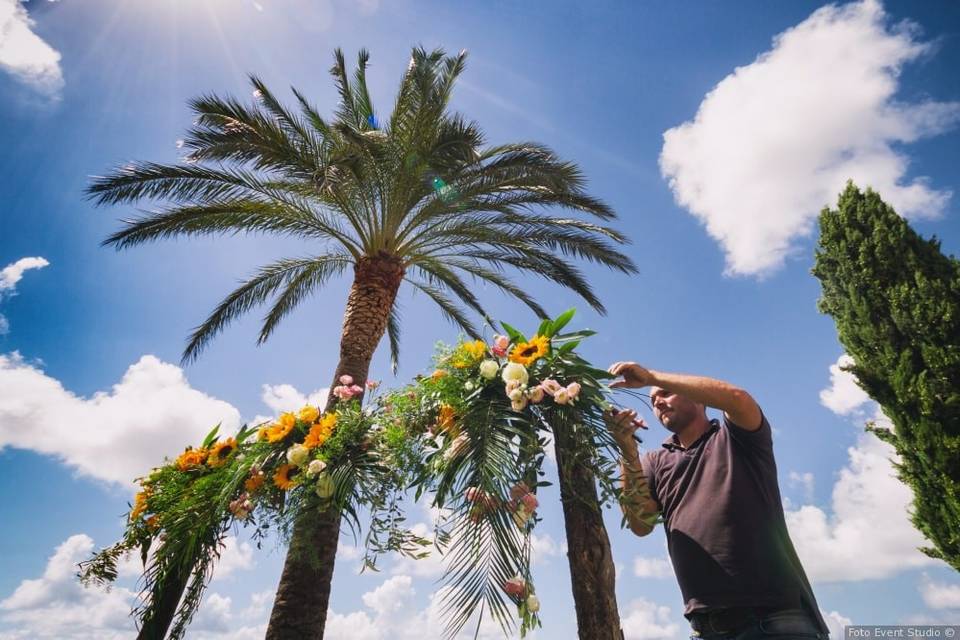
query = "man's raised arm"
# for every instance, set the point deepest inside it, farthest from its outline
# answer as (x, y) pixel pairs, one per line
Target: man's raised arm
(739, 406)
(638, 505)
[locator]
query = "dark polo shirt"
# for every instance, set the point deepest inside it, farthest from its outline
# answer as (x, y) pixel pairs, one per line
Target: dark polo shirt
(726, 532)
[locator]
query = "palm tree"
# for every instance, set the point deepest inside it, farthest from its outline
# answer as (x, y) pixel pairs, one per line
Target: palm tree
(419, 199)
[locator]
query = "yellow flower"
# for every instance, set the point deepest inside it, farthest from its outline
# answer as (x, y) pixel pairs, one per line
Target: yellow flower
(286, 477)
(221, 451)
(447, 420)
(468, 353)
(309, 414)
(255, 481)
(527, 352)
(264, 433)
(321, 431)
(281, 429)
(139, 504)
(191, 458)
(153, 522)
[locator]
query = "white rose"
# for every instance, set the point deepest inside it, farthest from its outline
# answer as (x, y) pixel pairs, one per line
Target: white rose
(515, 371)
(489, 368)
(468, 385)
(297, 455)
(315, 467)
(533, 603)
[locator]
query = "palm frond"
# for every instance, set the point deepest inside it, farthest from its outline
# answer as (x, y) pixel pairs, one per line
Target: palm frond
(393, 335)
(307, 281)
(448, 307)
(251, 293)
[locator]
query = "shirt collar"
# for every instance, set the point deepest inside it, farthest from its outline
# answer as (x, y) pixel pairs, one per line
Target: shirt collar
(672, 443)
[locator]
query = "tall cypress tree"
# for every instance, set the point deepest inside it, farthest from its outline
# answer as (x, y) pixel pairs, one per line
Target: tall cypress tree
(896, 300)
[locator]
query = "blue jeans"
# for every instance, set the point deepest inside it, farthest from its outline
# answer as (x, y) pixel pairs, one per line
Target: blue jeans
(786, 624)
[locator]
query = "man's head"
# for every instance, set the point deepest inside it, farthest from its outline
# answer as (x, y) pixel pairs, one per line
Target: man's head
(675, 412)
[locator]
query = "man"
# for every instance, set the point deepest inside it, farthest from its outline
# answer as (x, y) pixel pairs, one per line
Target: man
(714, 485)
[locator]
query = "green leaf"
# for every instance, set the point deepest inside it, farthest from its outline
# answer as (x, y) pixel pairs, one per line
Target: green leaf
(576, 335)
(562, 320)
(567, 347)
(515, 335)
(211, 437)
(544, 328)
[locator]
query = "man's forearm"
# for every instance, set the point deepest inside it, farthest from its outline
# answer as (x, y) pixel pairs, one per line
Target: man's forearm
(709, 391)
(638, 505)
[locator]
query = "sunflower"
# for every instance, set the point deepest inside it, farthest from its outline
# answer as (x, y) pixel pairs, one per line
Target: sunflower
(282, 428)
(191, 458)
(528, 352)
(221, 451)
(309, 414)
(321, 431)
(286, 477)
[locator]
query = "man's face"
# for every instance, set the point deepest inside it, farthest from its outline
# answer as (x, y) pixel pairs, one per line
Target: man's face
(673, 411)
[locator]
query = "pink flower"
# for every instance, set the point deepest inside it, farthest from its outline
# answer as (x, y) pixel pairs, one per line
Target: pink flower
(561, 396)
(372, 384)
(481, 497)
(535, 395)
(346, 380)
(345, 392)
(512, 385)
(241, 507)
(515, 586)
(530, 502)
(519, 490)
(500, 345)
(574, 390)
(356, 389)
(550, 386)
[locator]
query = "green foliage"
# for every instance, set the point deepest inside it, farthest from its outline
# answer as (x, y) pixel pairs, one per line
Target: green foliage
(422, 188)
(896, 300)
(187, 507)
(483, 450)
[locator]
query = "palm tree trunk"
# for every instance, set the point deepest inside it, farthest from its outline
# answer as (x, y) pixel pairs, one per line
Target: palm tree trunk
(592, 573)
(300, 608)
(168, 596)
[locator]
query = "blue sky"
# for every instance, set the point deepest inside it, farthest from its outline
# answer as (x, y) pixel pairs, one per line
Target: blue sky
(716, 130)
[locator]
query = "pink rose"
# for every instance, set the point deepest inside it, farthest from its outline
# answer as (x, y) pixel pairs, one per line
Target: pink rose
(515, 586)
(356, 389)
(574, 390)
(550, 386)
(500, 345)
(346, 380)
(372, 384)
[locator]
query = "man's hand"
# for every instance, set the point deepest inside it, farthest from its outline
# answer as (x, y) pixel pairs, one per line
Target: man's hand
(622, 423)
(634, 376)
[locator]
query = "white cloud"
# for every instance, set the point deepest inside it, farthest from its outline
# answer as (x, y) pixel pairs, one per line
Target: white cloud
(836, 623)
(10, 275)
(57, 606)
(869, 534)
(938, 595)
(644, 567)
(24, 54)
(114, 435)
(542, 548)
(804, 481)
(235, 555)
(390, 597)
(844, 396)
(776, 140)
(647, 620)
(285, 397)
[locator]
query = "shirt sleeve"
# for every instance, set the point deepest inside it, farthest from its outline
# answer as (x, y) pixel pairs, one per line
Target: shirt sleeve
(761, 439)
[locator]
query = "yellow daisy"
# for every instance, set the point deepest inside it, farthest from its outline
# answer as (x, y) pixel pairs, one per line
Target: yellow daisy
(286, 477)
(528, 352)
(468, 353)
(221, 451)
